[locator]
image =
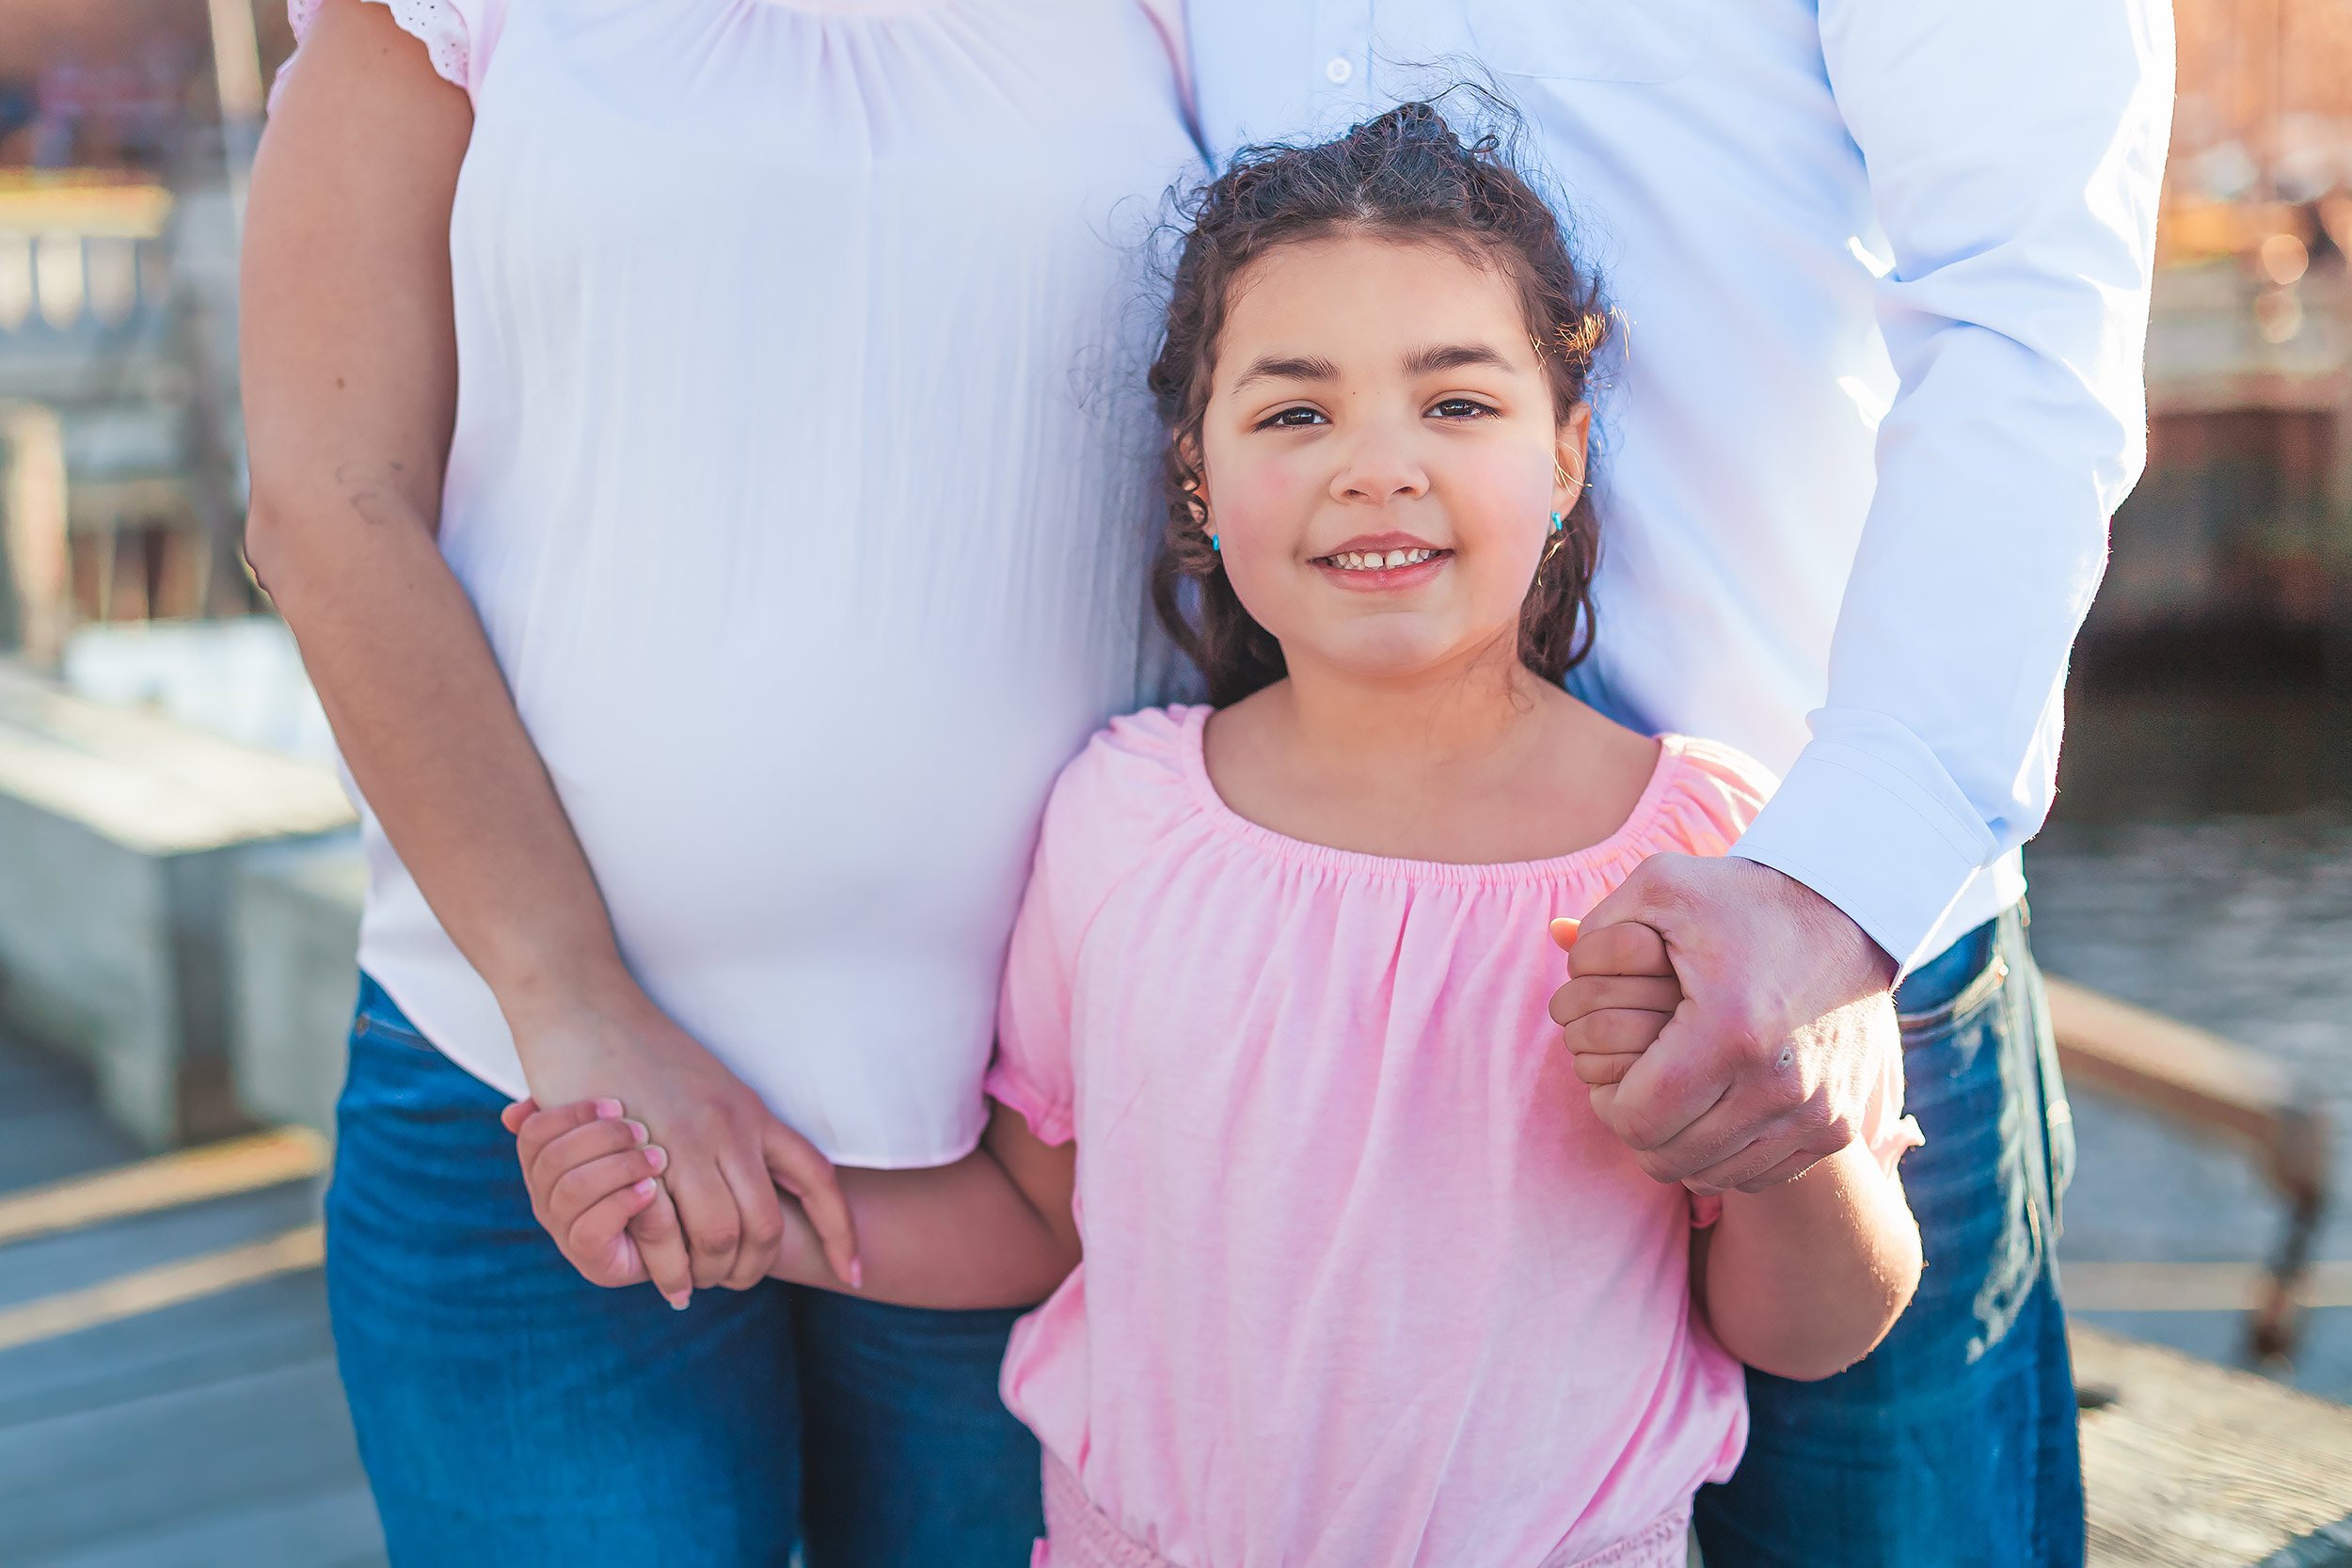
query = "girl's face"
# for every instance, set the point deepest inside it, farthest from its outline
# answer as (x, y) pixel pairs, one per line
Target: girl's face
(1380, 457)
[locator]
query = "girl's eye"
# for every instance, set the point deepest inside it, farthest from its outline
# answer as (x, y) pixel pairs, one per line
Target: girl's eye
(1293, 419)
(1462, 408)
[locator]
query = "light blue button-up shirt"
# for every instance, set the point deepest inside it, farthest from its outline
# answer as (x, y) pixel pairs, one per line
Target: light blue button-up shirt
(1883, 271)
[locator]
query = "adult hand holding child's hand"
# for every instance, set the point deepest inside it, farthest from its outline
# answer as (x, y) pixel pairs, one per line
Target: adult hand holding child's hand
(714, 1217)
(1729, 1019)
(591, 1171)
(1621, 997)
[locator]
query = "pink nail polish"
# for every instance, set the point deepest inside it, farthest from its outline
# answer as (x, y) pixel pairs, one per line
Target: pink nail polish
(644, 1188)
(677, 1303)
(607, 1109)
(657, 1156)
(857, 1274)
(638, 1129)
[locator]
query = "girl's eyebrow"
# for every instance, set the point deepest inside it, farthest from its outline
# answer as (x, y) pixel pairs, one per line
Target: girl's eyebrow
(1299, 367)
(1453, 357)
(1421, 361)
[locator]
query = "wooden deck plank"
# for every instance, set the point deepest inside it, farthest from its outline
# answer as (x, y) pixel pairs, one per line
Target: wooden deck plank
(146, 1291)
(2192, 1466)
(330, 1529)
(2323, 1365)
(269, 1324)
(81, 1259)
(75, 1482)
(2196, 1287)
(209, 1432)
(184, 1175)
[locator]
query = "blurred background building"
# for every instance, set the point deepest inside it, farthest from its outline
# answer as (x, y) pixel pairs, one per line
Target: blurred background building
(125, 127)
(178, 887)
(2241, 523)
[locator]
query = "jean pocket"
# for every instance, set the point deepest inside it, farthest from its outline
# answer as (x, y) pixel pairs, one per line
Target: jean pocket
(375, 1027)
(1930, 1025)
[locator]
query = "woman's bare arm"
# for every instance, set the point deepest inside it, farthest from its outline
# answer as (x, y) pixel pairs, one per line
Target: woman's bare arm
(351, 385)
(350, 367)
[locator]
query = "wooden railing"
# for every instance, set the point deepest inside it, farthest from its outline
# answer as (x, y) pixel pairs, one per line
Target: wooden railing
(2221, 1090)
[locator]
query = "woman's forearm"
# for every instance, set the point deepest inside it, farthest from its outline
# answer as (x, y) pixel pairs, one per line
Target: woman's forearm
(350, 391)
(426, 724)
(1805, 1279)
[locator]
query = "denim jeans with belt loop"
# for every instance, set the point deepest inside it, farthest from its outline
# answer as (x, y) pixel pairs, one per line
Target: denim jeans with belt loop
(1954, 1444)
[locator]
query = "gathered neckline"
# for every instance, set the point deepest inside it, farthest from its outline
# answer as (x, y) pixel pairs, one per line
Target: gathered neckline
(1629, 835)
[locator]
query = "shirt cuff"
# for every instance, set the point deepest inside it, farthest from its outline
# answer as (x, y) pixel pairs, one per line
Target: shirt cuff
(1871, 839)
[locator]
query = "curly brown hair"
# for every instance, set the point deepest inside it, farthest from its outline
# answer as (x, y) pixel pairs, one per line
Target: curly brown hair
(1407, 175)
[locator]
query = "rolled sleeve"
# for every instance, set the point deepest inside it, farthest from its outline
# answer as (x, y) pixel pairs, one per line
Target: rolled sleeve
(2015, 151)
(1867, 818)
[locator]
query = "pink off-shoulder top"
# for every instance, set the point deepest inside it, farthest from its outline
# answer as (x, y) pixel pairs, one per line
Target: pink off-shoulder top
(1365, 1282)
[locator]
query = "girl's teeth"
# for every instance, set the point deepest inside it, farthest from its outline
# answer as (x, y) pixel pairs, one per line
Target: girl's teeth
(1373, 561)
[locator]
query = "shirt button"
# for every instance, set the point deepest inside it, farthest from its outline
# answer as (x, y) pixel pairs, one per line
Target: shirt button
(1340, 69)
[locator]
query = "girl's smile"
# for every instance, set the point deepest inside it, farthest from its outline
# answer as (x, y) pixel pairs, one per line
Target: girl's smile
(1383, 562)
(1381, 453)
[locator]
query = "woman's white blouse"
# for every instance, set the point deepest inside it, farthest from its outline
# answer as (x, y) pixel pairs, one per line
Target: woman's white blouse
(802, 480)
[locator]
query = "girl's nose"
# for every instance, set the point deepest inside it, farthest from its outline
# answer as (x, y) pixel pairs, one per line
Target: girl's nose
(1379, 468)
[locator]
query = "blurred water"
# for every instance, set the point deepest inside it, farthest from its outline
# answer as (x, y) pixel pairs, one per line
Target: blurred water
(2241, 925)
(2201, 863)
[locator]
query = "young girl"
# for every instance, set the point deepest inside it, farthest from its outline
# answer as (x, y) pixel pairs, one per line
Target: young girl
(1365, 1281)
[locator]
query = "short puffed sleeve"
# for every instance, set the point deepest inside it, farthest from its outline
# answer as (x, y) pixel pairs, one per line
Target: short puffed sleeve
(1108, 811)
(1716, 791)
(458, 35)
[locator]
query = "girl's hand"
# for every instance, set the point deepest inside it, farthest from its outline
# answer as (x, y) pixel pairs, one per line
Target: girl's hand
(1621, 994)
(590, 1172)
(715, 1218)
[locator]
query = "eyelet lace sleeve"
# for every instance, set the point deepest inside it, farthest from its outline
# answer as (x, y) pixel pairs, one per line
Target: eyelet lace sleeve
(442, 26)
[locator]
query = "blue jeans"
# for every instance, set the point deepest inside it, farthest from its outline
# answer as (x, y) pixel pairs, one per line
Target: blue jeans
(1953, 1444)
(511, 1415)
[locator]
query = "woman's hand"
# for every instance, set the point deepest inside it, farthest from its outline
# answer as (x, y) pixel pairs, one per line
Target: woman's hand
(591, 1171)
(715, 1217)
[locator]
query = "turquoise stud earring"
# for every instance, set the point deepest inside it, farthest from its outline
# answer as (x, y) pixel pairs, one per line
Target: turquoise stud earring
(1558, 522)
(1215, 545)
